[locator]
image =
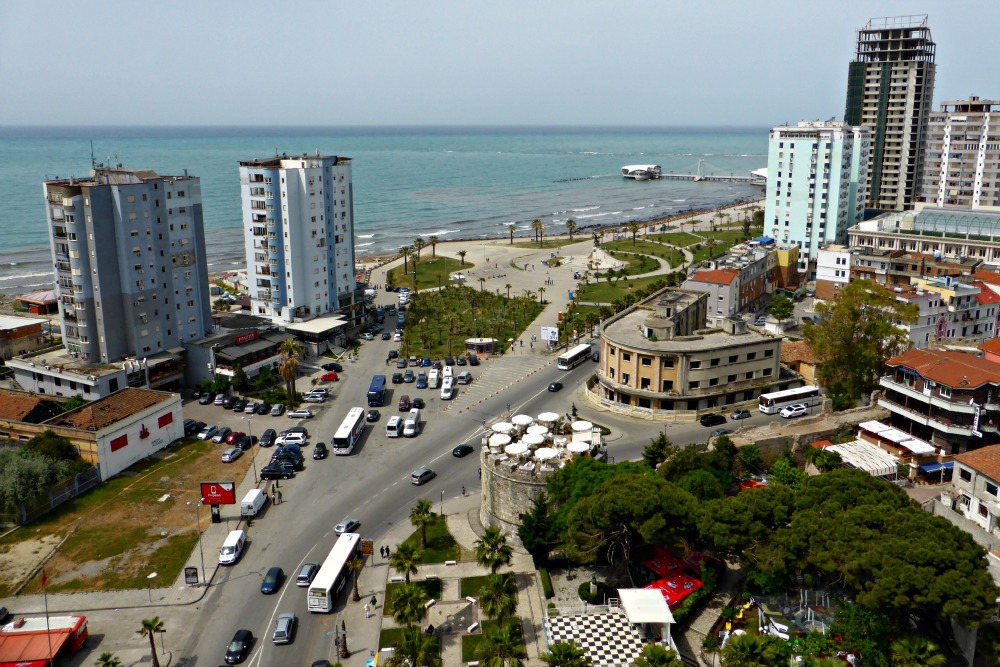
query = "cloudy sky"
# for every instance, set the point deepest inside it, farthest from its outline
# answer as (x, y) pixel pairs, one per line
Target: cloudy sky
(406, 62)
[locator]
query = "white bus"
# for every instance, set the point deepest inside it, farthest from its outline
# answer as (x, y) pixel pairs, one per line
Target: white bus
(334, 573)
(772, 404)
(350, 430)
(571, 358)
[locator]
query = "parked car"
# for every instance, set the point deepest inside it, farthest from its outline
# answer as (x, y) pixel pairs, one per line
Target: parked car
(422, 476)
(245, 443)
(263, 408)
(231, 454)
(313, 398)
(330, 377)
(760, 321)
(397, 378)
(422, 381)
(306, 574)
(301, 413)
(240, 405)
(372, 416)
(333, 366)
(368, 335)
(208, 432)
(449, 360)
(719, 432)
(250, 409)
(386, 335)
(473, 360)
(792, 411)
(462, 450)
(193, 429)
(221, 435)
(555, 386)
(414, 361)
(397, 337)
(460, 361)
(239, 647)
(277, 409)
(348, 525)
(393, 354)
(277, 471)
(272, 581)
(401, 363)
(713, 419)
(742, 413)
(320, 451)
(596, 356)
(234, 437)
(268, 438)
(404, 403)
(408, 376)
(425, 362)
(227, 403)
(290, 458)
(205, 399)
(447, 392)
(284, 628)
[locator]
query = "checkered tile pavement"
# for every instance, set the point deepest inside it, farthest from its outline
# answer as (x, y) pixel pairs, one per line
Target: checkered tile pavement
(609, 639)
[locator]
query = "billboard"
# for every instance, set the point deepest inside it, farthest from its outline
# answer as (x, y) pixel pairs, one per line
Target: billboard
(218, 493)
(550, 334)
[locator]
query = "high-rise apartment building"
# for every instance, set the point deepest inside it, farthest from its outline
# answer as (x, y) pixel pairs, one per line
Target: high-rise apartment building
(298, 221)
(962, 154)
(890, 89)
(128, 248)
(817, 184)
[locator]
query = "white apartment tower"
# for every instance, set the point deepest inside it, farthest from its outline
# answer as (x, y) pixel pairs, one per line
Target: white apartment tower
(817, 184)
(298, 221)
(890, 89)
(128, 248)
(962, 155)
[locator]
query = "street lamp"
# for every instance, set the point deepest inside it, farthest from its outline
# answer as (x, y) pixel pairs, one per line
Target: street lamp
(149, 584)
(201, 551)
(253, 457)
(162, 649)
(441, 507)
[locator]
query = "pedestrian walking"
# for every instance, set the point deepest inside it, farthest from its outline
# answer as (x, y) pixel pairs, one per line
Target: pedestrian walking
(280, 499)
(484, 423)
(387, 553)
(463, 490)
(381, 550)
(373, 602)
(368, 611)
(274, 498)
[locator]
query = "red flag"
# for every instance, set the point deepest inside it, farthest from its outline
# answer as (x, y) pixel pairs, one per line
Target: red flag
(43, 578)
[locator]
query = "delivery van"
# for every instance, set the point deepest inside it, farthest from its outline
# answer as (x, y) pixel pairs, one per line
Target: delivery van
(394, 427)
(232, 548)
(411, 427)
(252, 502)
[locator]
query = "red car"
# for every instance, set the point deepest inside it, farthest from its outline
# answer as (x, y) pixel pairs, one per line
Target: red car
(329, 377)
(234, 437)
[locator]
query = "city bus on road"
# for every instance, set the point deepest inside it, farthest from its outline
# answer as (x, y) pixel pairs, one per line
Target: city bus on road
(334, 573)
(572, 358)
(772, 404)
(376, 392)
(350, 430)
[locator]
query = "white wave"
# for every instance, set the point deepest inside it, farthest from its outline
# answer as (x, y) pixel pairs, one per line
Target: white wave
(364, 236)
(638, 208)
(441, 232)
(362, 245)
(21, 276)
(583, 209)
(678, 200)
(598, 215)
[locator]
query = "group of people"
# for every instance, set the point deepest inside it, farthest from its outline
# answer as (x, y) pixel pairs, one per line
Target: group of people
(384, 551)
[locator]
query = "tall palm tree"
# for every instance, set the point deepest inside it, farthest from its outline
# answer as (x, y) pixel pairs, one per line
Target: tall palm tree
(541, 295)
(748, 651)
(355, 565)
(416, 648)
(502, 647)
(498, 596)
(492, 550)
(150, 626)
(408, 605)
(538, 228)
(914, 651)
(512, 228)
(109, 660)
(571, 226)
(656, 655)
(461, 256)
(421, 516)
(290, 350)
(418, 245)
(482, 284)
(711, 243)
(405, 559)
(405, 252)
(508, 286)
(634, 228)
(566, 654)
(433, 240)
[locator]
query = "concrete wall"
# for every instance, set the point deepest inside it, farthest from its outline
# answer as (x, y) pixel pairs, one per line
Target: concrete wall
(506, 494)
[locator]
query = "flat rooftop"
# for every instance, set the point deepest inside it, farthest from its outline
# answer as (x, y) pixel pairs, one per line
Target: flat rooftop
(102, 175)
(14, 322)
(628, 330)
(283, 161)
(58, 358)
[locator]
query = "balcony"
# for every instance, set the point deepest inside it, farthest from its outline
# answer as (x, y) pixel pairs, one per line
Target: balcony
(938, 402)
(937, 421)
(64, 267)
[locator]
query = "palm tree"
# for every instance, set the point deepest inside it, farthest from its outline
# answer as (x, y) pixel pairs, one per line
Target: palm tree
(711, 243)
(405, 252)
(416, 648)
(482, 284)
(405, 559)
(421, 516)
(537, 227)
(655, 655)
(571, 226)
(541, 294)
(290, 350)
(720, 215)
(461, 255)
(150, 626)
(914, 651)
(748, 651)
(498, 596)
(634, 228)
(109, 660)
(512, 228)
(502, 647)
(408, 605)
(508, 286)
(433, 240)
(355, 565)
(566, 654)
(418, 244)
(492, 550)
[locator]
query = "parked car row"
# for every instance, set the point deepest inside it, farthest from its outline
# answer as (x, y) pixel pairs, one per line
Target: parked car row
(242, 405)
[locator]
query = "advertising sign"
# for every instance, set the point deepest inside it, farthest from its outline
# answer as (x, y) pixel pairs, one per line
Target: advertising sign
(975, 423)
(550, 334)
(218, 493)
(245, 338)
(367, 547)
(190, 575)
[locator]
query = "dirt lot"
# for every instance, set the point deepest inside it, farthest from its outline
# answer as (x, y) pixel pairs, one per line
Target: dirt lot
(117, 533)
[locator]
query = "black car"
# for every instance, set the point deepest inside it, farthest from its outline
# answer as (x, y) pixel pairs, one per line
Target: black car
(239, 647)
(245, 443)
(461, 450)
(206, 399)
(272, 581)
(194, 429)
(228, 403)
(713, 419)
(390, 288)
(333, 366)
(473, 360)
(742, 413)
(277, 471)
(393, 354)
(240, 405)
(320, 451)
(268, 438)
(397, 378)
(372, 416)
(449, 360)
(294, 461)
(263, 408)
(386, 335)
(460, 361)
(555, 386)
(418, 403)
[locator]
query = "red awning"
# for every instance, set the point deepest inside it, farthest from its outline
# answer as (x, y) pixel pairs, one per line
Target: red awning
(24, 649)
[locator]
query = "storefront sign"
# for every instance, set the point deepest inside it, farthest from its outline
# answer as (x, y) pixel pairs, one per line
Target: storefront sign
(245, 338)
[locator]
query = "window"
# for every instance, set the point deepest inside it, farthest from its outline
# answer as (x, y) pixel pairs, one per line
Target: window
(668, 362)
(668, 385)
(983, 512)
(695, 364)
(626, 356)
(715, 362)
(646, 361)
(991, 489)
(751, 356)
(945, 391)
(768, 354)
(965, 474)
(733, 358)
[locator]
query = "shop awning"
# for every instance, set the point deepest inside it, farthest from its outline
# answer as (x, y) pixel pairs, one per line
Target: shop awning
(928, 468)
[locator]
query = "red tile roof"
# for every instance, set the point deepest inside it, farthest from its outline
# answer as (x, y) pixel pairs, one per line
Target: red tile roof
(952, 369)
(821, 444)
(986, 295)
(16, 405)
(992, 346)
(987, 277)
(797, 351)
(718, 276)
(985, 460)
(113, 408)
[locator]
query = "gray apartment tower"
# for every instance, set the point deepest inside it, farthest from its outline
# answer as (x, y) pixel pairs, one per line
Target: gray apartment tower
(962, 155)
(128, 248)
(890, 88)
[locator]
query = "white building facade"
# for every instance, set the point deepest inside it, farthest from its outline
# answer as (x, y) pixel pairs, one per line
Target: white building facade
(817, 184)
(298, 222)
(962, 155)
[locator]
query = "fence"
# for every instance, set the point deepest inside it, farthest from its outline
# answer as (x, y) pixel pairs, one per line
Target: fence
(54, 497)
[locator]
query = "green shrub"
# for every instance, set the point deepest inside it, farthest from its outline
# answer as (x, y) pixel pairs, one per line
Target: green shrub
(709, 581)
(546, 583)
(603, 592)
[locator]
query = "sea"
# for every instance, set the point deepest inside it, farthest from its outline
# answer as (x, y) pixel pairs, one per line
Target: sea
(449, 182)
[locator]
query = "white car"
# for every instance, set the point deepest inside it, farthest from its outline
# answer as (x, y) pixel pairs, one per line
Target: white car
(312, 398)
(231, 454)
(368, 336)
(291, 439)
(301, 413)
(797, 410)
(397, 338)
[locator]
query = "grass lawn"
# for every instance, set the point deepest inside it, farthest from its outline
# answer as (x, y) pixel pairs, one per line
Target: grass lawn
(470, 643)
(430, 272)
(635, 263)
(431, 586)
(674, 257)
(472, 585)
(681, 239)
(606, 292)
(546, 243)
(441, 546)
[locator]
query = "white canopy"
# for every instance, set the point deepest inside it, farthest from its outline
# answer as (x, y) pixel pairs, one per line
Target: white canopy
(645, 605)
(538, 429)
(522, 420)
(874, 426)
(918, 446)
(867, 457)
(545, 453)
(503, 427)
(581, 425)
(548, 417)
(499, 439)
(516, 449)
(532, 439)
(578, 447)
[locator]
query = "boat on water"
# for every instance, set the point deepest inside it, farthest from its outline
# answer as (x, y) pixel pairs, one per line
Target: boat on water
(642, 172)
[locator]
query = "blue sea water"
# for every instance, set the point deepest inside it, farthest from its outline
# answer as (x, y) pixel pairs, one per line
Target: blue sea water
(467, 182)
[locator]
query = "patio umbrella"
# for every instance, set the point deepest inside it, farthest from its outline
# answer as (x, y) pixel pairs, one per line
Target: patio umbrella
(499, 440)
(533, 439)
(545, 453)
(516, 449)
(548, 417)
(503, 427)
(523, 420)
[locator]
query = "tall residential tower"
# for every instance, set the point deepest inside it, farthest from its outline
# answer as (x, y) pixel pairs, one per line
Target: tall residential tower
(128, 248)
(962, 154)
(298, 217)
(890, 89)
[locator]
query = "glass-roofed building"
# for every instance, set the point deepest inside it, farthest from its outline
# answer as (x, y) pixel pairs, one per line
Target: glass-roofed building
(946, 232)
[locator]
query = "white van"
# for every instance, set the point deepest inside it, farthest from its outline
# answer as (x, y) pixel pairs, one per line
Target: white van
(465, 377)
(411, 427)
(446, 372)
(433, 378)
(252, 502)
(447, 389)
(232, 548)
(394, 427)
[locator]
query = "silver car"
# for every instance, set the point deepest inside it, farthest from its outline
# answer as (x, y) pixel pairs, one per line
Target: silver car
(231, 454)
(284, 628)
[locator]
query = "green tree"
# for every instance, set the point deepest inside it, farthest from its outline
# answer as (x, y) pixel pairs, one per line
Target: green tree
(537, 529)
(418, 245)
(416, 648)
(502, 647)
(701, 484)
(240, 379)
(566, 654)
(512, 228)
(433, 241)
(784, 471)
(150, 626)
(461, 255)
(53, 446)
(571, 226)
(656, 655)
(781, 307)
(914, 651)
(265, 377)
(751, 462)
(405, 559)
(355, 565)
(492, 550)
(633, 227)
(538, 228)
(863, 631)
(288, 369)
(658, 450)
(421, 516)
(408, 604)
(77, 401)
(746, 227)
(498, 596)
(404, 252)
(108, 659)
(824, 459)
(748, 650)
(856, 336)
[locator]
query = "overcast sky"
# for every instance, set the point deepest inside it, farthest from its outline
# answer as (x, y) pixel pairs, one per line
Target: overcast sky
(407, 62)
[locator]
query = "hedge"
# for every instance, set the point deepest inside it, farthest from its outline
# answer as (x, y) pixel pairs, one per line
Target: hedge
(546, 582)
(709, 582)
